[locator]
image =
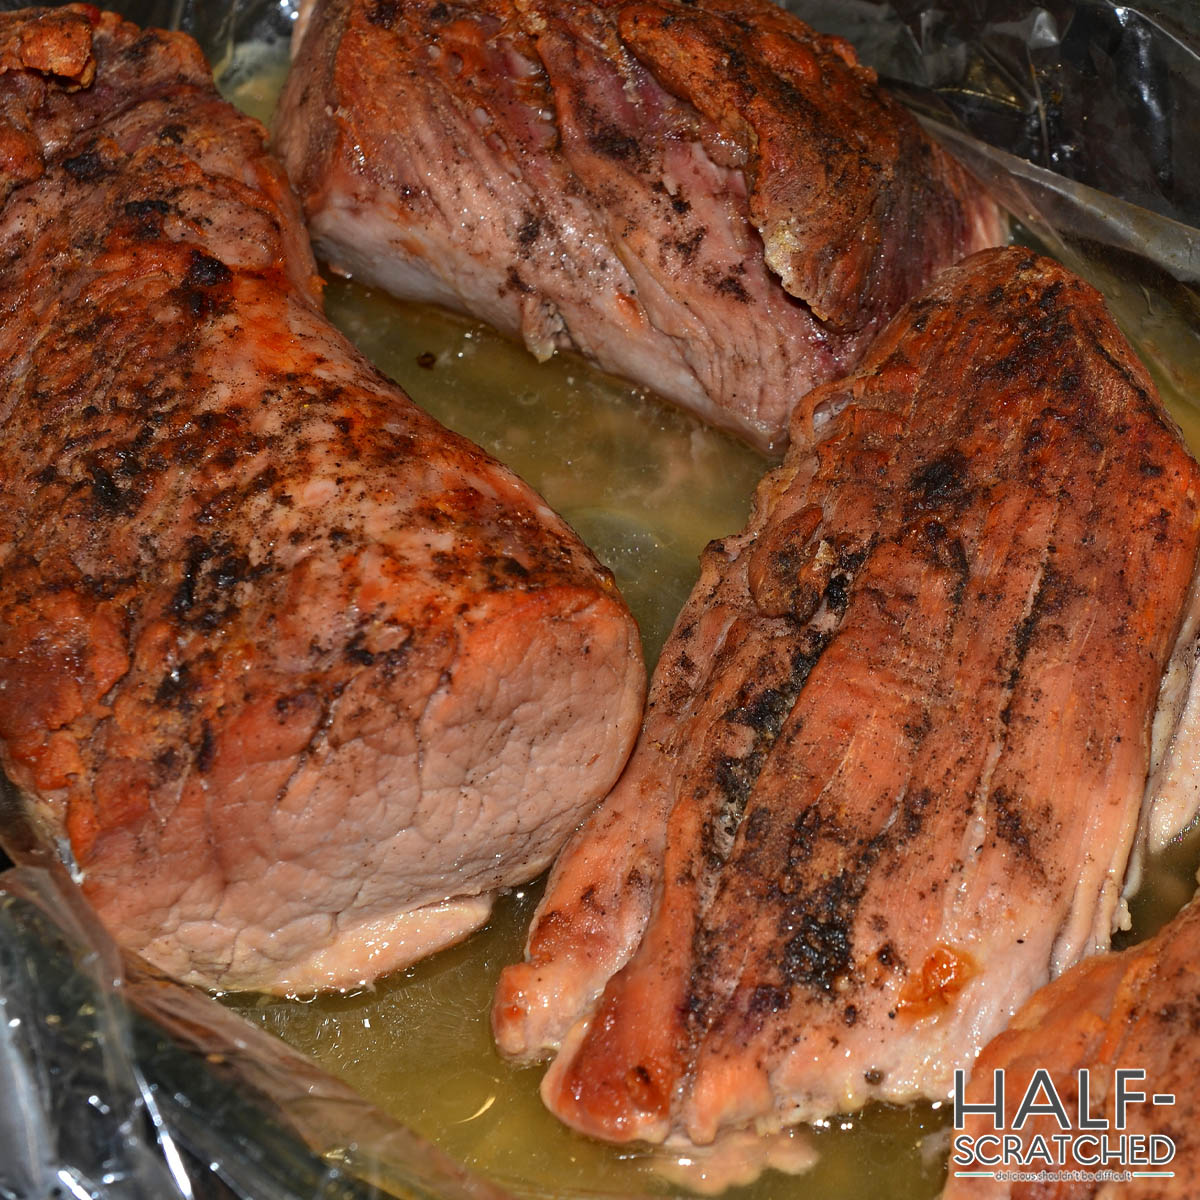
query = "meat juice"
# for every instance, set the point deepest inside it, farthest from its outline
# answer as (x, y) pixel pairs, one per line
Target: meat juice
(646, 487)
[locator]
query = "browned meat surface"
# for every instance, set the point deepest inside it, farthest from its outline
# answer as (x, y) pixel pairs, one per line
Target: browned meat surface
(1138, 1010)
(897, 744)
(707, 198)
(302, 676)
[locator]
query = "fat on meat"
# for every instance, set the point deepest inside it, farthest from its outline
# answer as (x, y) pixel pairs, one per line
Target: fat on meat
(897, 746)
(706, 198)
(301, 677)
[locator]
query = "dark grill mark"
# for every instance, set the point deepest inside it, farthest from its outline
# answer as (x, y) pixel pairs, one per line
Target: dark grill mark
(765, 714)
(86, 167)
(837, 594)
(530, 231)
(383, 13)
(735, 778)
(806, 830)
(950, 554)
(1010, 824)
(768, 999)
(205, 596)
(1048, 600)
(518, 284)
(939, 482)
(687, 248)
(912, 812)
(105, 492)
(357, 652)
(206, 752)
(818, 923)
(185, 593)
(231, 571)
(145, 208)
(819, 949)
(205, 271)
(175, 688)
(733, 287)
(615, 143)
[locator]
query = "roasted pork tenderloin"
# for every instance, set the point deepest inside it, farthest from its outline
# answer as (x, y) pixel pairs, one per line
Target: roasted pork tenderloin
(301, 677)
(1136, 1011)
(706, 198)
(897, 745)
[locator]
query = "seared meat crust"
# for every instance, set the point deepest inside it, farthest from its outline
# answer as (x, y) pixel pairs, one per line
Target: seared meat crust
(709, 199)
(302, 676)
(897, 744)
(1138, 1010)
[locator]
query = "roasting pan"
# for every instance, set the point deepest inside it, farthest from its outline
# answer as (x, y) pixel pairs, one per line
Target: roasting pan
(115, 1082)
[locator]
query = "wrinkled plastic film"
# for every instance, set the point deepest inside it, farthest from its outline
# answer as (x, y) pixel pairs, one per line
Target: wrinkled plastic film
(1147, 266)
(120, 1083)
(1102, 93)
(1082, 120)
